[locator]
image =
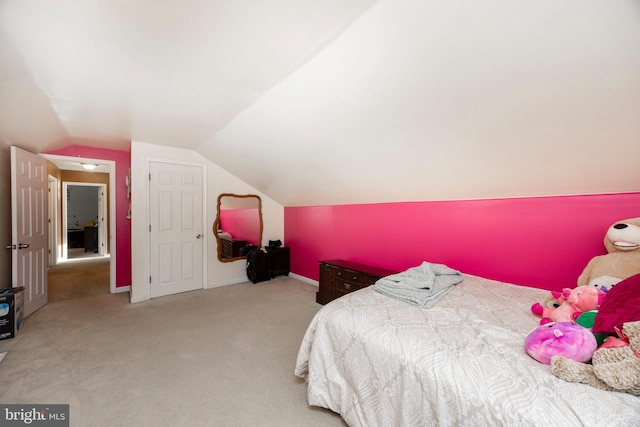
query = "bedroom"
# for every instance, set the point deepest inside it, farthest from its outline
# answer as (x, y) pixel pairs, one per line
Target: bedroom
(480, 117)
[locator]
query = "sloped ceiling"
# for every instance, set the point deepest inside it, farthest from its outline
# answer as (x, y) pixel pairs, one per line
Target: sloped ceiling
(340, 101)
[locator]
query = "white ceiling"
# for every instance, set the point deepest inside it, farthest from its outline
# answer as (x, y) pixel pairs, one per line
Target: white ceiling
(64, 163)
(339, 101)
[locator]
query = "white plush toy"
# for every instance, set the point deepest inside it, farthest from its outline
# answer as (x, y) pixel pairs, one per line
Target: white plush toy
(622, 260)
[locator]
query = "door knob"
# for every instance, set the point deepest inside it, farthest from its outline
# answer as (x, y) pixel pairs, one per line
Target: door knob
(10, 247)
(198, 236)
(23, 245)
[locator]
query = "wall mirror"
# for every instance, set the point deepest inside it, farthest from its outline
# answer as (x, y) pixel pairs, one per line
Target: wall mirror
(238, 225)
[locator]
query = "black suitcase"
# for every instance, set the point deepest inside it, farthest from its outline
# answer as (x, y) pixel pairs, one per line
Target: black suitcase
(279, 261)
(258, 266)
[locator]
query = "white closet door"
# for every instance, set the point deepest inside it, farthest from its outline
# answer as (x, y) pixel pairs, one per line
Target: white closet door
(176, 229)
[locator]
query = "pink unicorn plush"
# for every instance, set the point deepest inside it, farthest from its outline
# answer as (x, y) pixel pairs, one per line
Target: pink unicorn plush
(560, 339)
(574, 302)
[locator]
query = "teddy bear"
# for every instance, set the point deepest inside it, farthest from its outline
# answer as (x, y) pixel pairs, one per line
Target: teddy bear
(574, 302)
(622, 242)
(614, 367)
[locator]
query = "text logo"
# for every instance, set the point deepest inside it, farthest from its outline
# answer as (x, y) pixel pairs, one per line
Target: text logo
(34, 415)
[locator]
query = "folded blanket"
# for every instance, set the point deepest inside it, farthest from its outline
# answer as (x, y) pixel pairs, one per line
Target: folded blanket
(423, 286)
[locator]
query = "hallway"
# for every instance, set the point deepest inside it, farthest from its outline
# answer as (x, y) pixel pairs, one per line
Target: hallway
(78, 278)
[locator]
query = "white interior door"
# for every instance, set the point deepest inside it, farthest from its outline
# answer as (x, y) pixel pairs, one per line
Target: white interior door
(29, 227)
(176, 228)
(53, 220)
(102, 220)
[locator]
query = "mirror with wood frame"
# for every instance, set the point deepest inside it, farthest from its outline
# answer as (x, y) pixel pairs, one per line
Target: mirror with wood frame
(238, 225)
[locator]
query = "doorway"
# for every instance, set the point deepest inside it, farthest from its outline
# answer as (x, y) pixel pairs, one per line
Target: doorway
(100, 266)
(84, 224)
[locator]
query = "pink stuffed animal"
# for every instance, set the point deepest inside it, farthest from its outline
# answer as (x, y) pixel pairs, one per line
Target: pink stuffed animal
(560, 339)
(576, 301)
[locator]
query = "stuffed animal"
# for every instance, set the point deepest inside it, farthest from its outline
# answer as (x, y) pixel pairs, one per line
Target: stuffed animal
(622, 242)
(619, 306)
(575, 302)
(554, 299)
(560, 339)
(615, 368)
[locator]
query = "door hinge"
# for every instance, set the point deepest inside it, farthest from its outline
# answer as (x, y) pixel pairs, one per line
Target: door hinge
(149, 177)
(149, 228)
(149, 279)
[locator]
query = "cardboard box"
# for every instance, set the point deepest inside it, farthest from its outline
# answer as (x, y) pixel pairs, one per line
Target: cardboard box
(11, 312)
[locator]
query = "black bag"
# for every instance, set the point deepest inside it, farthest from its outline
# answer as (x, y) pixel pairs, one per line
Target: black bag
(258, 266)
(245, 250)
(275, 243)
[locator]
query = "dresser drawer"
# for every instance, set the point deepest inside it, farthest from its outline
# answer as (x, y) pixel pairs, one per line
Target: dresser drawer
(355, 277)
(346, 287)
(339, 277)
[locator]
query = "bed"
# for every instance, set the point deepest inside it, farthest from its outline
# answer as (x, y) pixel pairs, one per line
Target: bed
(378, 361)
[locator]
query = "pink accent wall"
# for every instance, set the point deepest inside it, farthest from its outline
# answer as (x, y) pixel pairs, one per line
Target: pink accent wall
(242, 224)
(123, 225)
(543, 242)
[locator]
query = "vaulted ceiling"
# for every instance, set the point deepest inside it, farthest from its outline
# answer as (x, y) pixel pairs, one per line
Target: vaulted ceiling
(339, 101)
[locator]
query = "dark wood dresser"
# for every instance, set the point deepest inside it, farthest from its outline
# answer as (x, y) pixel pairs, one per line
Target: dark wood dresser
(231, 248)
(339, 277)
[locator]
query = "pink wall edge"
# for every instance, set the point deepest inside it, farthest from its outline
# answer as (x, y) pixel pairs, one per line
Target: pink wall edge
(542, 242)
(123, 225)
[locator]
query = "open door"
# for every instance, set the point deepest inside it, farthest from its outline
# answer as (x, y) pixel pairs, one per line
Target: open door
(29, 227)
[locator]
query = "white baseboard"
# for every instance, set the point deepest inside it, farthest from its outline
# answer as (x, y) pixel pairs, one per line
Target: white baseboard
(219, 284)
(121, 289)
(304, 279)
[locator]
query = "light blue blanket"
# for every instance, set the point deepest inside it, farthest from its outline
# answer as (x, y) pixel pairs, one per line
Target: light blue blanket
(423, 286)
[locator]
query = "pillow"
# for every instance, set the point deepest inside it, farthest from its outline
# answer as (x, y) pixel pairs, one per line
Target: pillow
(621, 304)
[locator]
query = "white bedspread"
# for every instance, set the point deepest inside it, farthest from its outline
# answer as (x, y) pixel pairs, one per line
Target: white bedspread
(381, 362)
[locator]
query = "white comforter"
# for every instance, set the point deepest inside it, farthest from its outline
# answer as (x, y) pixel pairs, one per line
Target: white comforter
(382, 362)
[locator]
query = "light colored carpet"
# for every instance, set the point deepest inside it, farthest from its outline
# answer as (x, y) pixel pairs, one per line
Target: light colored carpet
(217, 357)
(78, 278)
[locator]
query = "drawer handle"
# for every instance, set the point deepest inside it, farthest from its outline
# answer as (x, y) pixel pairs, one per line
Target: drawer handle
(347, 286)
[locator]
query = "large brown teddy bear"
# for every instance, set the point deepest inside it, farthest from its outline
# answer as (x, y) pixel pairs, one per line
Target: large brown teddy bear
(612, 368)
(622, 260)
